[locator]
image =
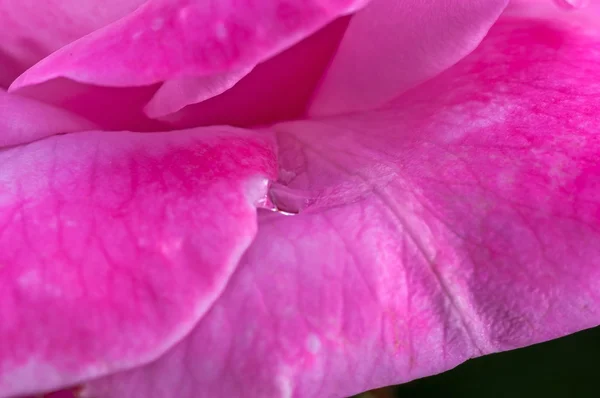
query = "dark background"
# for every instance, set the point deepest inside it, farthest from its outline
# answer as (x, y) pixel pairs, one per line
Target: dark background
(566, 367)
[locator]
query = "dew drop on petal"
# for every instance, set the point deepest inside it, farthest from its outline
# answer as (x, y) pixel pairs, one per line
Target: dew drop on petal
(285, 200)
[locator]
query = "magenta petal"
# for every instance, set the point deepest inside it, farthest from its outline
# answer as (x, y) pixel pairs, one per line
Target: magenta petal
(166, 39)
(32, 29)
(113, 245)
(391, 46)
(462, 220)
(23, 120)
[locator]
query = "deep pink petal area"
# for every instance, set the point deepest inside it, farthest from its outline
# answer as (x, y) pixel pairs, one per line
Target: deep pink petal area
(462, 220)
(32, 29)
(113, 245)
(166, 39)
(391, 46)
(23, 120)
(111, 108)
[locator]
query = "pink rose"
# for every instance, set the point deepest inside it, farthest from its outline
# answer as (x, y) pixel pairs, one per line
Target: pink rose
(291, 198)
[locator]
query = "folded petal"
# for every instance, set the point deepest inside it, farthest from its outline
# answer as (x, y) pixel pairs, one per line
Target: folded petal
(461, 220)
(113, 245)
(275, 90)
(162, 42)
(32, 29)
(23, 120)
(391, 46)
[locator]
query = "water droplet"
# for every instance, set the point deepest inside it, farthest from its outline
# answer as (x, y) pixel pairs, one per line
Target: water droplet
(285, 200)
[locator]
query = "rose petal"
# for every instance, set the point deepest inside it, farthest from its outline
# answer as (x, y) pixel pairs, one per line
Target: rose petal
(112, 245)
(23, 120)
(391, 46)
(32, 29)
(463, 219)
(162, 40)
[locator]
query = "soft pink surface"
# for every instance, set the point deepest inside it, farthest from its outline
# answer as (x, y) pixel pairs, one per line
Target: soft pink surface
(23, 120)
(392, 46)
(32, 29)
(112, 245)
(463, 219)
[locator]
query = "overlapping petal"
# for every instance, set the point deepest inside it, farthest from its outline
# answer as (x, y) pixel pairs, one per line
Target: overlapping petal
(391, 46)
(161, 42)
(461, 220)
(23, 120)
(113, 244)
(275, 90)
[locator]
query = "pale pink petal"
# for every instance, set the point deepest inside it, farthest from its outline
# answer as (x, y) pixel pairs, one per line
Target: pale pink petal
(167, 39)
(32, 29)
(461, 220)
(176, 94)
(113, 245)
(391, 46)
(23, 120)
